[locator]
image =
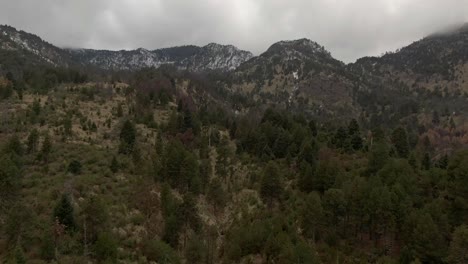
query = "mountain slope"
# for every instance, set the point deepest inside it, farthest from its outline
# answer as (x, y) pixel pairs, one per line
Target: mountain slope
(210, 57)
(21, 51)
(437, 62)
(297, 74)
(33, 49)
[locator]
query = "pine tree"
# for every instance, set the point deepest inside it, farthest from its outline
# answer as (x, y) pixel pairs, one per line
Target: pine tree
(105, 247)
(188, 122)
(119, 110)
(64, 213)
(313, 127)
(114, 166)
(67, 126)
(9, 177)
(312, 215)
(340, 139)
(309, 152)
(356, 141)
(443, 162)
(127, 138)
(400, 141)
(32, 143)
(222, 159)
(353, 127)
(95, 216)
(74, 167)
(216, 194)
(458, 247)
(378, 156)
(306, 177)
(14, 146)
(46, 148)
(426, 161)
(271, 182)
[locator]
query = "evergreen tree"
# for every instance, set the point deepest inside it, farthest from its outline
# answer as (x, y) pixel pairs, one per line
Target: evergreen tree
(334, 203)
(32, 143)
(127, 138)
(64, 213)
(443, 162)
(172, 228)
(356, 142)
(427, 241)
(312, 215)
(400, 142)
(216, 194)
(426, 161)
(308, 152)
(222, 159)
(271, 182)
(14, 146)
(188, 121)
(458, 253)
(340, 140)
(9, 176)
(458, 185)
(46, 148)
(119, 110)
(96, 217)
(196, 251)
(189, 213)
(114, 165)
(190, 174)
(36, 107)
(19, 224)
(105, 247)
(74, 167)
(306, 177)
(313, 127)
(353, 127)
(67, 126)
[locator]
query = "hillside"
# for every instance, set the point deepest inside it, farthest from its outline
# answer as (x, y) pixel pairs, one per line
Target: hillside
(437, 63)
(299, 75)
(215, 156)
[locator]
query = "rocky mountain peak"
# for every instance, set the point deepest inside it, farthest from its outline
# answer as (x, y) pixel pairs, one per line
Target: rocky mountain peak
(300, 48)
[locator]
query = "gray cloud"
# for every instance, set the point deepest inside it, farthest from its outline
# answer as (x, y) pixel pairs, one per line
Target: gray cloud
(348, 28)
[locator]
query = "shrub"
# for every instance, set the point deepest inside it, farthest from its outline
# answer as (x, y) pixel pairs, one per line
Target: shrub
(156, 250)
(74, 167)
(105, 247)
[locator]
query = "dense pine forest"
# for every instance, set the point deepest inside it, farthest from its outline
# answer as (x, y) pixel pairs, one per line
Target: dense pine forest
(163, 165)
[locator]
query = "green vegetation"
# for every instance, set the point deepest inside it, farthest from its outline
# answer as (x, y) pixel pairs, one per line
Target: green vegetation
(161, 169)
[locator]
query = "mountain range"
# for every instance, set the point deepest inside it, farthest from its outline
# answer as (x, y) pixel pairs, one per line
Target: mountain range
(193, 58)
(213, 155)
(298, 74)
(442, 56)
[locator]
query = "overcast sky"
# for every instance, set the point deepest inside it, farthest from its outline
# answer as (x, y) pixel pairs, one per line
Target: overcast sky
(348, 28)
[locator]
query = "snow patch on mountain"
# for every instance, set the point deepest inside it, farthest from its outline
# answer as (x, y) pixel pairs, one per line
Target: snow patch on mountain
(210, 57)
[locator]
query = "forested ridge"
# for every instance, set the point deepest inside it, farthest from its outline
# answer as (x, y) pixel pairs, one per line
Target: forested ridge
(170, 166)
